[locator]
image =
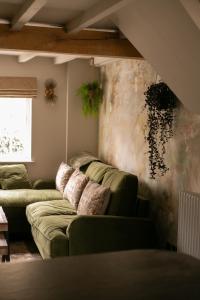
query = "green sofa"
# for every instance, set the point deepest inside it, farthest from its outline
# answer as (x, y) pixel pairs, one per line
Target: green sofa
(59, 231)
(16, 192)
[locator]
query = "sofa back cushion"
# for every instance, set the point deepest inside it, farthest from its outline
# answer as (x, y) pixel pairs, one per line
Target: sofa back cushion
(97, 170)
(74, 187)
(94, 199)
(123, 198)
(15, 182)
(14, 177)
(123, 187)
(63, 174)
(82, 160)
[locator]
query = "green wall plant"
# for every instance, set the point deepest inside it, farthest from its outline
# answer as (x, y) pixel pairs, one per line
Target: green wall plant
(91, 94)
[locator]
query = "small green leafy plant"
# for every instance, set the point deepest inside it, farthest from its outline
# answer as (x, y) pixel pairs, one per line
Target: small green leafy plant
(91, 94)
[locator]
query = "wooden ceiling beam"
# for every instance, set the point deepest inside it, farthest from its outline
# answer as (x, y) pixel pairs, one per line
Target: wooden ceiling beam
(96, 13)
(55, 40)
(26, 13)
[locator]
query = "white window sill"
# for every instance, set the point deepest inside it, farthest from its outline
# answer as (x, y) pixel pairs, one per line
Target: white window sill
(16, 161)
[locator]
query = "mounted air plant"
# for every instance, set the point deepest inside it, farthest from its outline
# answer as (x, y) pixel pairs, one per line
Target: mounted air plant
(91, 94)
(50, 86)
(160, 103)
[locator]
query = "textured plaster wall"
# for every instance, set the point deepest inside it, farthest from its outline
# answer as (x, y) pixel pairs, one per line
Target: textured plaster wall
(121, 141)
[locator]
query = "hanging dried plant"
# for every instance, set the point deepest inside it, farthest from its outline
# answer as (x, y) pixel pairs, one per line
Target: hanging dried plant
(160, 104)
(50, 86)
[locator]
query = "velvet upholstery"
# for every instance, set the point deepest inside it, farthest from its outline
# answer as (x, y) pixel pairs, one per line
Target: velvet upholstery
(14, 203)
(49, 221)
(23, 197)
(14, 177)
(48, 208)
(59, 231)
(41, 184)
(8, 170)
(55, 225)
(49, 233)
(82, 160)
(94, 234)
(15, 182)
(123, 188)
(97, 170)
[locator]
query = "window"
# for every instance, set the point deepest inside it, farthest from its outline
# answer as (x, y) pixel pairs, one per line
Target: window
(15, 129)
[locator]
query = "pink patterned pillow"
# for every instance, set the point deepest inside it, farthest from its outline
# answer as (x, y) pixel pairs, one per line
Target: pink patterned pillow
(62, 176)
(75, 187)
(94, 199)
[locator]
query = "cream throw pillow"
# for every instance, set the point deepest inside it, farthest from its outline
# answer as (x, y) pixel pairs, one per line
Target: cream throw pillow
(75, 187)
(62, 176)
(94, 199)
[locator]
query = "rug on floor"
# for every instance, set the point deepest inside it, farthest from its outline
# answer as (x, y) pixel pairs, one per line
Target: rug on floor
(23, 251)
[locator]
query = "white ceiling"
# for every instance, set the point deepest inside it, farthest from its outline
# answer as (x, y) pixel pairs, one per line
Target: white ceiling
(62, 12)
(55, 12)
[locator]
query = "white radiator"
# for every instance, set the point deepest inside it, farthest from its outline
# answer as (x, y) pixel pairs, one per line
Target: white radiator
(189, 224)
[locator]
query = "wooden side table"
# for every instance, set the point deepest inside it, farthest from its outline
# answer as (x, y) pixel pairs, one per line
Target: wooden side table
(4, 237)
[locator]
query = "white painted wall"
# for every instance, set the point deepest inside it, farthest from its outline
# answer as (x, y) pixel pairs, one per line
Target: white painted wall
(165, 34)
(82, 132)
(48, 122)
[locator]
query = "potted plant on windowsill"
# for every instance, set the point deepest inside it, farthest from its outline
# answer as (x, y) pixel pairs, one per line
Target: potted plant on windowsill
(160, 103)
(91, 95)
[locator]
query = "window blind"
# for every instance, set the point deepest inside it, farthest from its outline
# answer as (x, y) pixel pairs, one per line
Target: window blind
(18, 87)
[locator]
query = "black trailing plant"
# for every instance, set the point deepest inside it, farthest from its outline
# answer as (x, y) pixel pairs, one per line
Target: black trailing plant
(160, 102)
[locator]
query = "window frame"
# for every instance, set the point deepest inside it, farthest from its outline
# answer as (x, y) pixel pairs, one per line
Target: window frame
(28, 157)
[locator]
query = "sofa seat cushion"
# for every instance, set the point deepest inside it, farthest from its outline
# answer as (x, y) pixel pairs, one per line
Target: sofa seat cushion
(48, 208)
(49, 233)
(23, 197)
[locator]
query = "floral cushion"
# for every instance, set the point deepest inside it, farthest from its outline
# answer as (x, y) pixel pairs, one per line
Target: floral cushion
(94, 199)
(75, 187)
(63, 175)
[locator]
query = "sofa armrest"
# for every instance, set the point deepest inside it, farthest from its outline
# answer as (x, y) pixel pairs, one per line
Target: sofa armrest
(43, 184)
(143, 207)
(93, 234)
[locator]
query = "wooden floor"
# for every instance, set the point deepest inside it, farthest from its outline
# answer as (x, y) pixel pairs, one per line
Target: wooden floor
(23, 251)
